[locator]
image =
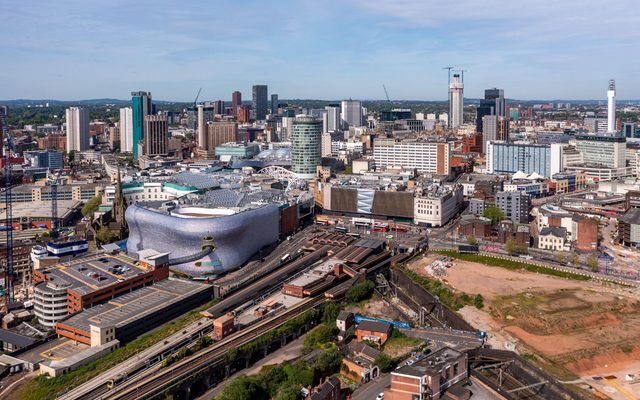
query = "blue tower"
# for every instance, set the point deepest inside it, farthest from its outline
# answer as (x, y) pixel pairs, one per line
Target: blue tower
(141, 105)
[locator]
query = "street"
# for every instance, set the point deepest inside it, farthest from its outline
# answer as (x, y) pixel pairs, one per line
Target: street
(371, 389)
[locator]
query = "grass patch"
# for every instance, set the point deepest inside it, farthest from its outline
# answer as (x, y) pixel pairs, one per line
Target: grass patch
(43, 387)
(451, 299)
(626, 349)
(512, 265)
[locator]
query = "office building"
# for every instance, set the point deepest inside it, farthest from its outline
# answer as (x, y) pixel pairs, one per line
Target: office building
(219, 133)
(201, 127)
(218, 107)
(425, 156)
(509, 158)
(236, 102)
(156, 141)
(126, 129)
(274, 104)
(4, 111)
(456, 102)
(596, 124)
(259, 101)
(331, 119)
(437, 205)
(492, 104)
(630, 130)
(494, 128)
(141, 107)
(45, 159)
(77, 129)
(608, 150)
(351, 113)
(514, 205)
(306, 133)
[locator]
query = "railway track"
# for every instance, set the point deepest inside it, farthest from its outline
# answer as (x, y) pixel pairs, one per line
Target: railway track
(174, 375)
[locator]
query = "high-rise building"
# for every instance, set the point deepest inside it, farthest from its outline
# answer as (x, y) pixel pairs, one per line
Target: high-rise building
(509, 158)
(456, 102)
(77, 129)
(259, 101)
(611, 109)
(243, 114)
(126, 129)
(221, 132)
(141, 107)
(306, 134)
(332, 118)
(156, 140)
(274, 104)
(236, 101)
(492, 104)
(218, 107)
(425, 156)
(202, 128)
(351, 113)
(629, 130)
(606, 150)
(4, 112)
(494, 128)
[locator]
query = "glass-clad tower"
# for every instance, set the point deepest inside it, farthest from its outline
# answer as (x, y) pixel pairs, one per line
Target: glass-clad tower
(305, 146)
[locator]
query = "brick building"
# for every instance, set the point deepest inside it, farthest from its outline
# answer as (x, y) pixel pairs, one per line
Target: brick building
(374, 331)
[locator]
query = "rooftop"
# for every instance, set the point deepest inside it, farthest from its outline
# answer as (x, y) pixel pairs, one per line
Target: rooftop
(42, 209)
(431, 364)
(134, 306)
(96, 271)
(375, 326)
(553, 231)
(631, 217)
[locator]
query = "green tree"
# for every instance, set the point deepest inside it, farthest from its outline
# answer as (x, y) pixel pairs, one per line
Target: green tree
(561, 258)
(72, 155)
(386, 363)
(104, 235)
(330, 312)
(91, 206)
(328, 363)
(478, 301)
(575, 259)
(592, 263)
(511, 246)
(288, 392)
(494, 214)
(320, 336)
(359, 292)
(472, 240)
(243, 388)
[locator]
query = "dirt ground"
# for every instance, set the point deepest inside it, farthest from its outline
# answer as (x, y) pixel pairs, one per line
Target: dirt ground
(376, 308)
(580, 329)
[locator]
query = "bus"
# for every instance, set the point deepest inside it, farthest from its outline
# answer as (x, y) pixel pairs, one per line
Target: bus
(322, 222)
(354, 235)
(398, 228)
(364, 222)
(381, 227)
(341, 229)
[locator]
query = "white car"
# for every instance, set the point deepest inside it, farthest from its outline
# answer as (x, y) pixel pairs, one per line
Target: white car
(380, 396)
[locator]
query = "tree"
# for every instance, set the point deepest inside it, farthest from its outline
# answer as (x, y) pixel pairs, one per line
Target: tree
(592, 263)
(330, 312)
(386, 363)
(243, 388)
(472, 240)
(359, 292)
(328, 363)
(561, 258)
(478, 301)
(494, 214)
(288, 392)
(104, 235)
(91, 206)
(575, 260)
(511, 246)
(320, 336)
(72, 155)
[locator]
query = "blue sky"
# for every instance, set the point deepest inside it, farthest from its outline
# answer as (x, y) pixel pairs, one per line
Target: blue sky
(327, 49)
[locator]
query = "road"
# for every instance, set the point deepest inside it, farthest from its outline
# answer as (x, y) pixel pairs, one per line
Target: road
(371, 389)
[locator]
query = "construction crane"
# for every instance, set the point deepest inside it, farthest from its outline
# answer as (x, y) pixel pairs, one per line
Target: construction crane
(386, 93)
(449, 68)
(195, 102)
(8, 224)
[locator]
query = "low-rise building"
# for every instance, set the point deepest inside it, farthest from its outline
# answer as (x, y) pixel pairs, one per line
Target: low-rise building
(224, 326)
(373, 331)
(328, 390)
(358, 362)
(552, 238)
(428, 378)
(436, 205)
(629, 227)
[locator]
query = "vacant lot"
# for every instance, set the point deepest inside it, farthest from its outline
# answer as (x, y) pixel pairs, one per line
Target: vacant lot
(571, 328)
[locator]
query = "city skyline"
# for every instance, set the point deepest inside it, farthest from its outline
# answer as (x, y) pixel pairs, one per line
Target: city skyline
(341, 50)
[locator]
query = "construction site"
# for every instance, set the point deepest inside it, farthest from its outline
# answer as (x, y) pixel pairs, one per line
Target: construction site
(581, 332)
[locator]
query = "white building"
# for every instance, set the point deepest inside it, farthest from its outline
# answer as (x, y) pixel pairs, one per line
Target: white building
(437, 205)
(77, 129)
(351, 113)
(426, 157)
(552, 239)
(456, 101)
(126, 129)
(608, 150)
(351, 147)
(331, 119)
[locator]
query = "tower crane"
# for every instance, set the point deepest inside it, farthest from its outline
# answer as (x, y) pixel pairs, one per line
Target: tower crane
(449, 68)
(462, 71)
(195, 102)
(386, 93)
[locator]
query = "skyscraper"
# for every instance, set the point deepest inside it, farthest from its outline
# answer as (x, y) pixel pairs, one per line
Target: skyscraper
(332, 118)
(274, 104)
(4, 111)
(492, 104)
(202, 129)
(141, 107)
(305, 146)
(77, 129)
(259, 101)
(456, 102)
(236, 102)
(351, 113)
(494, 128)
(126, 129)
(156, 141)
(218, 107)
